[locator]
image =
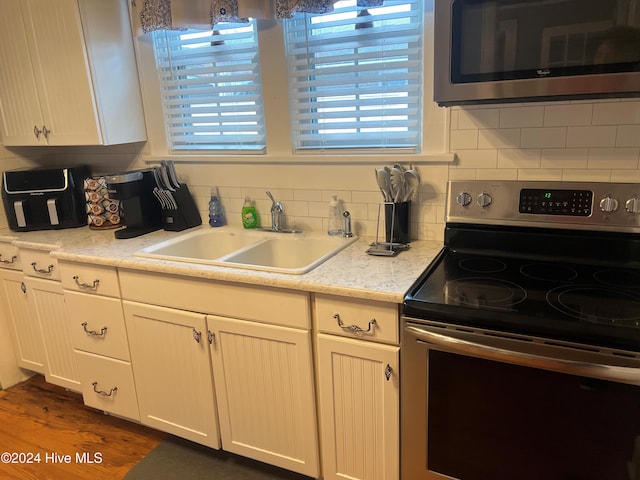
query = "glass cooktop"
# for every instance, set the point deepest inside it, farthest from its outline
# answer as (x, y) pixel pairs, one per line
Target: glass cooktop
(598, 305)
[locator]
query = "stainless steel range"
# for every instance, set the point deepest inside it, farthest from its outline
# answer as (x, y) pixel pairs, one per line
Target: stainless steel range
(521, 341)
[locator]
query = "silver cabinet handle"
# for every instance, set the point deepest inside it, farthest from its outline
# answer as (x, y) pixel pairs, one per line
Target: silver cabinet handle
(102, 392)
(23, 287)
(94, 333)
(37, 132)
(8, 262)
(616, 373)
(41, 270)
(197, 336)
(211, 337)
(388, 371)
(89, 286)
(45, 132)
(356, 330)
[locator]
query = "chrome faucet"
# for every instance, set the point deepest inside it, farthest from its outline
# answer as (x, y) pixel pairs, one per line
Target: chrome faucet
(347, 224)
(276, 212)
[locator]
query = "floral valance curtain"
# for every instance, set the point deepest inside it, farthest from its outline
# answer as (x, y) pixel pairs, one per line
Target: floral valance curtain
(182, 14)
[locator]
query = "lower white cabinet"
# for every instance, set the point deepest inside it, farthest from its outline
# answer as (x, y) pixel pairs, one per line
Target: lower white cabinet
(172, 371)
(265, 390)
(24, 326)
(359, 408)
(46, 298)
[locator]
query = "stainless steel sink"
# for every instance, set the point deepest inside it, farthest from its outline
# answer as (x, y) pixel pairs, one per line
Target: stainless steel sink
(255, 250)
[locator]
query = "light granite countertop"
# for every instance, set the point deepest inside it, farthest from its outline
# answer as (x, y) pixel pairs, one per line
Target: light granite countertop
(350, 272)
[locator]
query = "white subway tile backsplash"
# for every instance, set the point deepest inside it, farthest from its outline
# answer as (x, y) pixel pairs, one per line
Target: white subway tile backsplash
(477, 159)
(518, 158)
(616, 113)
(544, 137)
(586, 175)
(550, 174)
(591, 136)
(524, 116)
(628, 136)
(613, 158)
(478, 118)
(463, 139)
(499, 138)
(565, 115)
(564, 157)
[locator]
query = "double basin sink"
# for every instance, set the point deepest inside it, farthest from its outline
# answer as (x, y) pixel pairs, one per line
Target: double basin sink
(250, 249)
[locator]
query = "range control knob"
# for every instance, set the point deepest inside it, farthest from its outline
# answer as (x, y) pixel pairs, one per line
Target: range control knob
(484, 200)
(463, 199)
(632, 205)
(608, 204)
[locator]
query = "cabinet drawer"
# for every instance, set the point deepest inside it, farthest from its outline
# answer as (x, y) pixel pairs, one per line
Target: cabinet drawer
(107, 384)
(10, 256)
(354, 318)
(97, 279)
(39, 263)
(97, 325)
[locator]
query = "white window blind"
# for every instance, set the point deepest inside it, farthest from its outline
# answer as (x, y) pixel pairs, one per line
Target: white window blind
(211, 91)
(356, 76)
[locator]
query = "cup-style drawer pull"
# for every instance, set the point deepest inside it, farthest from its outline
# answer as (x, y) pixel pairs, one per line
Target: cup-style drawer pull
(355, 329)
(43, 271)
(94, 333)
(102, 393)
(8, 262)
(88, 286)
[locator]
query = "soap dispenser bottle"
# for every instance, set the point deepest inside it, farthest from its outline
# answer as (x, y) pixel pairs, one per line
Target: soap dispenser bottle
(335, 217)
(249, 214)
(216, 213)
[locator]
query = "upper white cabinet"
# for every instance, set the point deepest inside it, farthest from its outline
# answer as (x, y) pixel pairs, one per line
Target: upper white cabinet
(68, 74)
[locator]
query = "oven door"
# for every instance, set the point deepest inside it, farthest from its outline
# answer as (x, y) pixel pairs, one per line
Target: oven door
(482, 406)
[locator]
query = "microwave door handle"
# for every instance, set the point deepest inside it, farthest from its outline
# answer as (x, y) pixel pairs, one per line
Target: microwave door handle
(53, 211)
(18, 208)
(601, 371)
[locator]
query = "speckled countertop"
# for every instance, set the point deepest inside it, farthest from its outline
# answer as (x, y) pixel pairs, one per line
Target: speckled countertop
(351, 272)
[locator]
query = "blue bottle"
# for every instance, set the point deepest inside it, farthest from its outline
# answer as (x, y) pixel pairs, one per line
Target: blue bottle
(216, 213)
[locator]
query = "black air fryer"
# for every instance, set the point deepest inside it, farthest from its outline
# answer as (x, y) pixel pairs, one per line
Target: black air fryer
(44, 198)
(139, 208)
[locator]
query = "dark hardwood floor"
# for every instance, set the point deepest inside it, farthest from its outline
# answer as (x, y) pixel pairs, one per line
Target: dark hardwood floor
(45, 423)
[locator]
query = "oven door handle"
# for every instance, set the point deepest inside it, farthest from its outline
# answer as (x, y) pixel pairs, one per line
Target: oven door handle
(597, 369)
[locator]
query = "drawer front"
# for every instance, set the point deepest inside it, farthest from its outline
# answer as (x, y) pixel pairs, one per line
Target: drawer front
(276, 306)
(357, 318)
(107, 384)
(97, 325)
(39, 263)
(96, 279)
(10, 256)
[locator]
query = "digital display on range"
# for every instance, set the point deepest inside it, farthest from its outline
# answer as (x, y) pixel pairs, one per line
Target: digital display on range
(576, 203)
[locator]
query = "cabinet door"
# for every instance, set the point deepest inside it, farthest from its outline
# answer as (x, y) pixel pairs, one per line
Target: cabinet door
(19, 99)
(172, 371)
(62, 71)
(24, 326)
(264, 386)
(47, 303)
(359, 409)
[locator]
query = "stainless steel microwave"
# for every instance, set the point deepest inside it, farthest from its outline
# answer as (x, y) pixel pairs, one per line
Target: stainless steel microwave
(496, 51)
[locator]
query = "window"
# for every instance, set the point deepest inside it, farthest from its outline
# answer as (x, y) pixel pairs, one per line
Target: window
(356, 76)
(211, 89)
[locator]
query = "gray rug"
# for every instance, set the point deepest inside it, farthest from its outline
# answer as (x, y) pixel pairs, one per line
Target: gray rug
(178, 459)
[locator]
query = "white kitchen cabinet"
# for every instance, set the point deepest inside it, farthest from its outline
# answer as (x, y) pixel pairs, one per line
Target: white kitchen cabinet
(46, 298)
(264, 386)
(68, 73)
(23, 324)
(172, 371)
(357, 367)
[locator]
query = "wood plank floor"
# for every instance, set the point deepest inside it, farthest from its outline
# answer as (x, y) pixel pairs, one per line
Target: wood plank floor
(39, 418)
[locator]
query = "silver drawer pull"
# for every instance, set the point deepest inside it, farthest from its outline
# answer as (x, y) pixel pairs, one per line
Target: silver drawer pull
(89, 286)
(8, 262)
(102, 393)
(42, 270)
(197, 336)
(94, 333)
(356, 330)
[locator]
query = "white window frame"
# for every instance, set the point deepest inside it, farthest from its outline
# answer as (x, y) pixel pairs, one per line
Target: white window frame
(435, 135)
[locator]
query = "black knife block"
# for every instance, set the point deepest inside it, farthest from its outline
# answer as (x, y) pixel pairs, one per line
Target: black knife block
(183, 217)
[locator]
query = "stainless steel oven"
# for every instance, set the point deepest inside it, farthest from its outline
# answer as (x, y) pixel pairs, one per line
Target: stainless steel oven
(515, 50)
(520, 353)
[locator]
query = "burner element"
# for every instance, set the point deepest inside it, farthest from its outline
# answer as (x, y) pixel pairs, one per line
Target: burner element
(484, 292)
(482, 265)
(548, 272)
(597, 304)
(618, 278)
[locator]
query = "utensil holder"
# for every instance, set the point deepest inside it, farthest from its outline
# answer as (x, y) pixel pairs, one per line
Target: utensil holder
(397, 221)
(183, 217)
